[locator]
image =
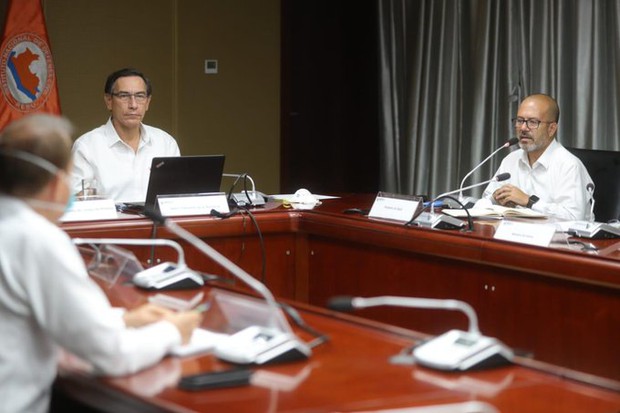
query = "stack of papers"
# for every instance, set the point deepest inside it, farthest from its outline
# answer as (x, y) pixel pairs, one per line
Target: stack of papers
(495, 211)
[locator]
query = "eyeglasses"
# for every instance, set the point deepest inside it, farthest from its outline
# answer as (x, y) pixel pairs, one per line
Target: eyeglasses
(140, 97)
(531, 123)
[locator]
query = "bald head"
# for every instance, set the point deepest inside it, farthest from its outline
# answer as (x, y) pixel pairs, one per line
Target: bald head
(547, 106)
(44, 136)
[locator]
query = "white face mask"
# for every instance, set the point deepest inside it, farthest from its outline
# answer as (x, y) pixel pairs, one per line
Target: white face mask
(52, 169)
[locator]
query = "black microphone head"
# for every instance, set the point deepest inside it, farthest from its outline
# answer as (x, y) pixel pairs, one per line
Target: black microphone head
(590, 187)
(512, 141)
(502, 177)
(155, 216)
(341, 303)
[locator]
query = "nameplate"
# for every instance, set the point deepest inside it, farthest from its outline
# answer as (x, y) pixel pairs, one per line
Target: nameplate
(91, 210)
(192, 204)
(525, 233)
(395, 207)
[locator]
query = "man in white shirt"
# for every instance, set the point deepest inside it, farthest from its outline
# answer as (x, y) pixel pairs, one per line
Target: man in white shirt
(118, 155)
(47, 299)
(544, 176)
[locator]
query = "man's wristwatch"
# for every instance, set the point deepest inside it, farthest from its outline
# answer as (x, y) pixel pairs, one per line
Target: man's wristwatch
(533, 199)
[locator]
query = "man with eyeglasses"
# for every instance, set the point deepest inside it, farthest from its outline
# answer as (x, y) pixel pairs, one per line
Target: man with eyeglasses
(118, 155)
(544, 176)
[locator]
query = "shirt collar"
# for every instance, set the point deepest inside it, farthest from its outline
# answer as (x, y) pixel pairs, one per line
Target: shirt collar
(545, 158)
(11, 203)
(112, 137)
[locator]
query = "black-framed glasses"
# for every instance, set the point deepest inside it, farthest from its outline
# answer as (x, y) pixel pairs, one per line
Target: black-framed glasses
(531, 123)
(140, 97)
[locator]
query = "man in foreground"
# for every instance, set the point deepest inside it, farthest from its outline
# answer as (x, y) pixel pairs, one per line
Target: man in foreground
(47, 299)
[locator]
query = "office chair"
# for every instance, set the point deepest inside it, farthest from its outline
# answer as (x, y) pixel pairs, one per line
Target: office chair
(604, 169)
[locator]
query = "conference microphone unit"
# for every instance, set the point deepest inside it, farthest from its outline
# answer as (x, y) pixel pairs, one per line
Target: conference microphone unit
(455, 350)
(443, 221)
(590, 189)
(468, 200)
(256, 344)
(245, 198)
(591, 228)
(164, 276)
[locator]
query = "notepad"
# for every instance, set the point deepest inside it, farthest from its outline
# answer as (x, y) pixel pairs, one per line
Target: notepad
(495, 211)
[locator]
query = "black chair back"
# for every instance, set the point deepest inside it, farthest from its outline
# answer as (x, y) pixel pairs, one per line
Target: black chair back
(604, 169)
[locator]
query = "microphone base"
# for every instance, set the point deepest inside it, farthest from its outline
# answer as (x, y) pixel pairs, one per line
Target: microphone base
(255, 199)
(469, 201)
(439, 221)
(261, 345)
(594, 230)
(168, 276)
(462, 351)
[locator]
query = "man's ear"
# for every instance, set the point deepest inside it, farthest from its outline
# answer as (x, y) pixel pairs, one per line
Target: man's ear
(107, 99)
(553, 128)
(55, 186)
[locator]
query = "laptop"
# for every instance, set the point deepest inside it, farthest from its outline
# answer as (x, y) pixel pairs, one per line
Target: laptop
(177, 175)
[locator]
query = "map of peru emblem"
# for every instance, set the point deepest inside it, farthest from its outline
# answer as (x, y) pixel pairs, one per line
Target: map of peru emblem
(26, 71)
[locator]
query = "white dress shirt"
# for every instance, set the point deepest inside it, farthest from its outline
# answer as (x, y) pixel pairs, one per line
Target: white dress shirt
(47, 299)
(121, 173)
(558, 178)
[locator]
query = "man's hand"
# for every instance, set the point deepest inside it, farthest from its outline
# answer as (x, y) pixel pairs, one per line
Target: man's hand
(186, 322)
(510, 196)
(145, 314)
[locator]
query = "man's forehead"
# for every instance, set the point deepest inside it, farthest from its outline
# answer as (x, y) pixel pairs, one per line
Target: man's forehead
(129, 83)
(534, 106)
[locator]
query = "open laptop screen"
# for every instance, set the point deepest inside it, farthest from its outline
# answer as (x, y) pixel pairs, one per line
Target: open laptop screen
(175, 175)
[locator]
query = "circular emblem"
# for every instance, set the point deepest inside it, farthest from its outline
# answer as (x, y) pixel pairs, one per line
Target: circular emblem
(26, 71)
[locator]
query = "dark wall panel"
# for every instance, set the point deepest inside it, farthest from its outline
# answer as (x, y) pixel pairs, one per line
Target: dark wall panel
(329, 96)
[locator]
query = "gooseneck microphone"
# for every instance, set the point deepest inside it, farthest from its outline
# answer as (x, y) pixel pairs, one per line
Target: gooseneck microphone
(443, 221)
(348, 303)
(454, 350)
(510, 142)
(254, 344)
(498, 178)
(163, 276)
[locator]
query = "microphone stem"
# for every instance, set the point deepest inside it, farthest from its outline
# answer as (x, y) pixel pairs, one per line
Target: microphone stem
(458, 190)
(244, 176)
(476, 168)
(232, 267)
(431, 303)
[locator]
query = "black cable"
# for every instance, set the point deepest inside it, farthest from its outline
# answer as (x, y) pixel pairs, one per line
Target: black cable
(469, 218)
(232, 187)
(258, 230)
(222, 215)
(262, 244)
(415, 215)
(245, 189)
(320, 338)
(153, 236)
(470, 222)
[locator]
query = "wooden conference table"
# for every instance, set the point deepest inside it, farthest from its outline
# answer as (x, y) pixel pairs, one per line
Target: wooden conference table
(558, 307)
